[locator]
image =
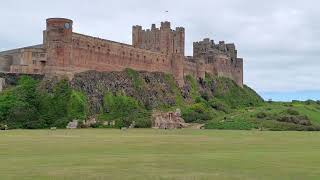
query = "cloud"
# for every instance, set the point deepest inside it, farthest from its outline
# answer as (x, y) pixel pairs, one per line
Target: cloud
(279, 40)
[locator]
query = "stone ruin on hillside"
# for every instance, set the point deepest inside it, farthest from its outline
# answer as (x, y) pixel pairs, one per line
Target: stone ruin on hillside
(168, 120)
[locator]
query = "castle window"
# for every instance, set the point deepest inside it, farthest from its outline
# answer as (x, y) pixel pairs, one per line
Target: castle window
(138, 56)
(123, 53)
(130, 54)
(157, 60)
(34, 62)
(88, 46)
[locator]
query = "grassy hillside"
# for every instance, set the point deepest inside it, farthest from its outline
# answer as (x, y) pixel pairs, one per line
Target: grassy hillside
(271, 116)
(227, 106)
(130, 96)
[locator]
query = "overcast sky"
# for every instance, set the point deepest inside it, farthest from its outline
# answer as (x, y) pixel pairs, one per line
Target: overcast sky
(278, 39)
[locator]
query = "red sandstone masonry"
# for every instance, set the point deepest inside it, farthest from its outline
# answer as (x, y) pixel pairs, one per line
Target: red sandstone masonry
(154, 50)
(104, 55)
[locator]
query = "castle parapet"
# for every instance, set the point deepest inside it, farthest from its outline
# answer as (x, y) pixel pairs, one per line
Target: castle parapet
(165, 25)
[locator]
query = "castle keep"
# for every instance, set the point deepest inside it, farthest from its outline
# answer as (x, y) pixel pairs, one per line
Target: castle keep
(155, 50)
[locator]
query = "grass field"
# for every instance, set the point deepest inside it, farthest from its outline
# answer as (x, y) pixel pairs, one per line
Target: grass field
(157, 154)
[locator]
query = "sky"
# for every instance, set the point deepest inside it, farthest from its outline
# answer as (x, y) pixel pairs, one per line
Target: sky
(278, 39)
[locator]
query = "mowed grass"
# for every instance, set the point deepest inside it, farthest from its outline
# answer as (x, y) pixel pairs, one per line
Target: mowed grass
(157, 154)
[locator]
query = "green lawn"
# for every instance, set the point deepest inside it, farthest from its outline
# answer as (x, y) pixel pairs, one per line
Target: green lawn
(157, 154)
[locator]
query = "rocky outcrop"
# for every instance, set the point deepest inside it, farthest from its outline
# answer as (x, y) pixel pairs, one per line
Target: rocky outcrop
(3, 127)
(90, 121)
(11, 79)
(73, 124)
(152, 90)
(167, 120)
(301, 120)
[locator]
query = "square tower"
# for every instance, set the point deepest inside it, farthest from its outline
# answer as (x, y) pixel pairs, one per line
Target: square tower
(163, 39)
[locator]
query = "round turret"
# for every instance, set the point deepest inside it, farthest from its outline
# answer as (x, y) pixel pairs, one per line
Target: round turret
(59, 29)
(58, 41)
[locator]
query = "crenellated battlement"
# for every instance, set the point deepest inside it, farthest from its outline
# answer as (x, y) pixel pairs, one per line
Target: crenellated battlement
(208, 50)
(164, 40)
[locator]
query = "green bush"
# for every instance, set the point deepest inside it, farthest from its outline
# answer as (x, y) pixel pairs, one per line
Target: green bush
(8, 100)
(292, 112)
(236, 124)
(175, 89)
(219, 105)
(302, 120)
(26, 106)
(24, 116)
(54, 106)
(309, 102)
(261, 115)
(194, 91)
(205, 96)
(77, 106)
(285, 126)
(196, 112)
(124, 110)
(231, 94)
(199, 108)
(19, 105)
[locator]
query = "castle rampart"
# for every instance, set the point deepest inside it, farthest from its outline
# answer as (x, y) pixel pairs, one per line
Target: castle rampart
(104, 55)
(156, 50)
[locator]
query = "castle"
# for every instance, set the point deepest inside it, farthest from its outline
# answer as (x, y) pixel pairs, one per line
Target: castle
(155, 50)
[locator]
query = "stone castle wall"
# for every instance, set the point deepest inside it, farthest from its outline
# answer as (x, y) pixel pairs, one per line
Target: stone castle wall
(220, 59)
(69, 52)
(102, 55)
(154, 50)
